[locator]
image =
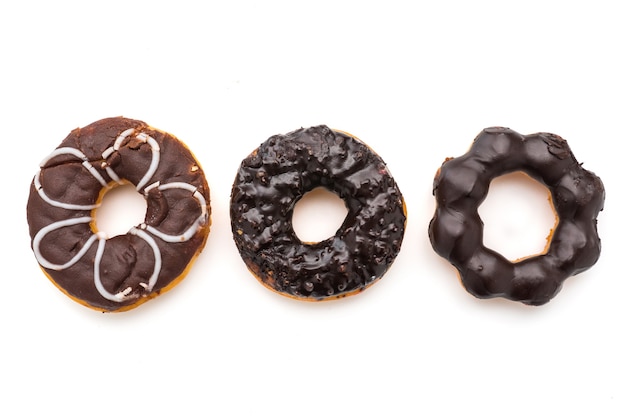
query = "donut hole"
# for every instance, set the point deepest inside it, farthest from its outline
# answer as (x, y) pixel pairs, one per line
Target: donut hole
(318, 215)
(518, 216)
(121, 209)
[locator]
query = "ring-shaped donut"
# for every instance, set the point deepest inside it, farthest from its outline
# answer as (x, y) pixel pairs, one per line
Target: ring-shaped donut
(456, 230)
(275, 176)
(121, 272)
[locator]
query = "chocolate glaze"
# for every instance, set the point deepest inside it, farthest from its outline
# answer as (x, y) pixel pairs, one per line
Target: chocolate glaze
(456, 230)
(282, 170)
(128, 261)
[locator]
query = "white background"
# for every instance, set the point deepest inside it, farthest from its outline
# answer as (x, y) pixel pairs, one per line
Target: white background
(416, 81)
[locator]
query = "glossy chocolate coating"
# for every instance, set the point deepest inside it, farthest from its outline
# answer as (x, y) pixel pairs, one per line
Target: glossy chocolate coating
(128, 261)
(456, 230)
(282, 170)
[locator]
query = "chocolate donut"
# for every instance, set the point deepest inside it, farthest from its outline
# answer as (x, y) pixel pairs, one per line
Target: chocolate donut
(456, 230)
(282, 170)
(121, 272)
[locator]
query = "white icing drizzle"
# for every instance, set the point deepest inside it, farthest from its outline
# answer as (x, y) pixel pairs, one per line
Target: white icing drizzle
(157, 256)
(119, 297)
(86, 164)
(101, 237)
(58, 225)
(123, 294)
(154, 163)
(191, 231)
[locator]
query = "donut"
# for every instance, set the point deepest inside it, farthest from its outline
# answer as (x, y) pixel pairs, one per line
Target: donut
(456, 229)
(120, 272)
(275, 176)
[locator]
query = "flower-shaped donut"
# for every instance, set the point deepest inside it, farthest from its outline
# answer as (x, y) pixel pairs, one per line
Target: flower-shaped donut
(118, 273)
(456, 230)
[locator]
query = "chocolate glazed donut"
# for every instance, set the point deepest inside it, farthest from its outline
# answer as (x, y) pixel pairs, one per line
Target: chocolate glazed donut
(456, 230)
(281, 171)
(122, 272)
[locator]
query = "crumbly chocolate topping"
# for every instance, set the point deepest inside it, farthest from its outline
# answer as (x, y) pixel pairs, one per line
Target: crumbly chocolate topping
(273, 178)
